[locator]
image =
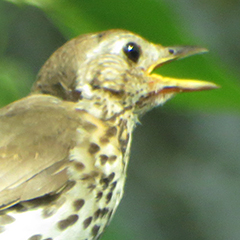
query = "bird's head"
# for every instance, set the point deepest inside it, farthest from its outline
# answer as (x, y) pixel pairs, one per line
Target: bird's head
(110, 71)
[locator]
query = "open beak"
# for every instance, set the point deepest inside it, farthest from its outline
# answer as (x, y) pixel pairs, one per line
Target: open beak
(160, 84)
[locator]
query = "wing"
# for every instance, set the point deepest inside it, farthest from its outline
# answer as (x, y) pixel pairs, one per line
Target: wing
(36, 134)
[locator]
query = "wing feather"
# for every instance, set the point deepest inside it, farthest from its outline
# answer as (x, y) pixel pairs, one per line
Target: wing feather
(36, 135)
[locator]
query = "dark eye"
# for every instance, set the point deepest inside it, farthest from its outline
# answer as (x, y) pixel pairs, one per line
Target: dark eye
(132, 51)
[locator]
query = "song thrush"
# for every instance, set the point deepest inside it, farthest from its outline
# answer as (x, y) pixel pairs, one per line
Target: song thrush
(64, 149)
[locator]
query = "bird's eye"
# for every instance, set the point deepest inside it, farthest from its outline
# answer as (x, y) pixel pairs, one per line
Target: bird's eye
(132, 51)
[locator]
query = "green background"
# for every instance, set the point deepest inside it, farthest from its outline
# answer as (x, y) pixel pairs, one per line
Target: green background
(184, 174)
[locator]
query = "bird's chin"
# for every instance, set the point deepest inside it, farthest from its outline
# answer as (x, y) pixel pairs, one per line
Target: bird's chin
(152, 100)
(161, 97)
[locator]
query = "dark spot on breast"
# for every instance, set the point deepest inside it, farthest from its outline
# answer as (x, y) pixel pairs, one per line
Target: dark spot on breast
(78, 204)
(99, 196)
(97, 104)
(91, 175)
(113, 118)
(86, 176)
(113, 185)
(103, 159)
(91, 186)
(36, 237)
(112, 131)
(104, 212)
(111, 176)
(48, 239)
(108, 197)
(97, 214)
(89, 126)
(95, 230)
(63, 224)
(87, 222)
(79, 166)
(104, 139)
(104, 182)
(93, 148)
(112, 158)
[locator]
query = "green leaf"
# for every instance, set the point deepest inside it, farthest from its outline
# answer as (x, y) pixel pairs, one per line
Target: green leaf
(14, 82)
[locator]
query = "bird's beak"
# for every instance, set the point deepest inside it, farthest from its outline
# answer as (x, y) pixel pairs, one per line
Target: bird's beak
(160, 84)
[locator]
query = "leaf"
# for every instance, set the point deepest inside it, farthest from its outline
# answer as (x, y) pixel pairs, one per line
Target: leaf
(14, 82)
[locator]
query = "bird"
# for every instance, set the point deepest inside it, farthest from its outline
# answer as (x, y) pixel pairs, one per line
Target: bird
(64, 148)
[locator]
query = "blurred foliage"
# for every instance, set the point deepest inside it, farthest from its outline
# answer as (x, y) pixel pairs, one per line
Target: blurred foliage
(13, 80)
(192, 192)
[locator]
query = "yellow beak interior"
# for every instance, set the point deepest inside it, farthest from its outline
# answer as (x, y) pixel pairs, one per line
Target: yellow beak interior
(173, 85)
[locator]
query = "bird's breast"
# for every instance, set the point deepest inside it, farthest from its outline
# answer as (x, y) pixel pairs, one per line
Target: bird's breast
(98, 166)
